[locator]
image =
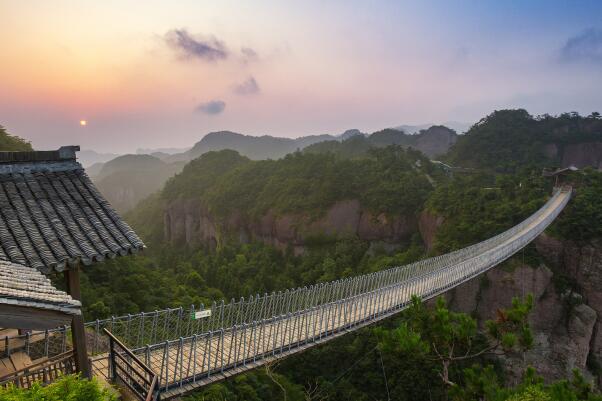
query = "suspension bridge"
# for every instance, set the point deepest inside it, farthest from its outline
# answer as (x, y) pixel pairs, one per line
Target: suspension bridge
(168, 353)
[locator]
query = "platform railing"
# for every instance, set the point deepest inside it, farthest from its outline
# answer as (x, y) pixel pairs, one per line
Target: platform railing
(43, 372)
(125, 368)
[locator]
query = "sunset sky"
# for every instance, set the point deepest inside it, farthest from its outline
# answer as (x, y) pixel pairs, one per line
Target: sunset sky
(165, 73)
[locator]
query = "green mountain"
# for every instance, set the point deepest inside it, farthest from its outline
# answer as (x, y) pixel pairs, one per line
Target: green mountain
(295, 200)
(508, 140)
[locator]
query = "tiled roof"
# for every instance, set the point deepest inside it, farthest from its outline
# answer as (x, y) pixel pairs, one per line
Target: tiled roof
(24, 286)
(52, 215)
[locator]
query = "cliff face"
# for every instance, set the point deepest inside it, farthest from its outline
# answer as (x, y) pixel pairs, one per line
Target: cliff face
(583, 155)
(567, 326)
(582, 263)
(562, 337)
(428, 223)
(191, 223)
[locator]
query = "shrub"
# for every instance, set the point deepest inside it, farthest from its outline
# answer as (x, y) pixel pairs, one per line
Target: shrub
(67, 388)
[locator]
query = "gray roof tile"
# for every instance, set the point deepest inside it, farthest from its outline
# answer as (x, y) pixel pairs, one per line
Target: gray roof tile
(23, 286)
(52, 215)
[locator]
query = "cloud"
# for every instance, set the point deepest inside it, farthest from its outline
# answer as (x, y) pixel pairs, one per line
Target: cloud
(249, 54)
(248, 87)
(587, 46)
(210, 49)
(212, 107)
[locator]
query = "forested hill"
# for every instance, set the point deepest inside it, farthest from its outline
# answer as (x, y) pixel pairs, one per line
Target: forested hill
(434, 141)
(293, 199)
(508, 140)
(10, 142)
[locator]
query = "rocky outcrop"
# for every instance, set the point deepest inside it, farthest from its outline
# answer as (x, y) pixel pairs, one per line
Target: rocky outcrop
(583, 264)
(189, 222)
(567, 327)
(583, 155)
(428, 223)
(562, 337)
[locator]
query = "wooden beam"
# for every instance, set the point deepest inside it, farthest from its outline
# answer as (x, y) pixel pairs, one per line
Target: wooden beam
(28, 318)
(78, 332)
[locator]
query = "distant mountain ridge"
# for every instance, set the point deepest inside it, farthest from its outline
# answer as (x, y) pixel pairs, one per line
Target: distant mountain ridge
(89, 157)
(127, 179)
(255, 147)
(457, 126)
(169, 151)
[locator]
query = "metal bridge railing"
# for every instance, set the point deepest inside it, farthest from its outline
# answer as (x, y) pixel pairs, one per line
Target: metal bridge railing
(292, 320)
(137, 330)
(188, 348)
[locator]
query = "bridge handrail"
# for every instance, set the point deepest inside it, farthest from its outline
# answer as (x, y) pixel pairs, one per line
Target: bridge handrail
(154, 327)
(380, 285)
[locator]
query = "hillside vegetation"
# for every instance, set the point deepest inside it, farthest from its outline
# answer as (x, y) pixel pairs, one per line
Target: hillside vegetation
(386, 180)
(433, 141)
(509, 140)
(10, 142)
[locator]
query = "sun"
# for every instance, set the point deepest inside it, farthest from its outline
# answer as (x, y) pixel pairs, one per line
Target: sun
(83, 123)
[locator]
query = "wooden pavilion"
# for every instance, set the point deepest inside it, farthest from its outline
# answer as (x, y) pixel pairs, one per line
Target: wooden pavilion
(53, 221)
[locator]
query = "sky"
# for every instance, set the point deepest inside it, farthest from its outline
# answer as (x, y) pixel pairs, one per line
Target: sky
(150, 74)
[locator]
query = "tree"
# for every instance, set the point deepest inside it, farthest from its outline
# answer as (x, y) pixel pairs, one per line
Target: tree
(69, 387)
(449, 338)
(12, 143)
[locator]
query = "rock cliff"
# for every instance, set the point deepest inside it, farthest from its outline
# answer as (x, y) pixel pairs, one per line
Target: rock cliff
(566, 323)
(583, 264)
(189, 222)
(562, 337)
(428, 223)
(584, 154)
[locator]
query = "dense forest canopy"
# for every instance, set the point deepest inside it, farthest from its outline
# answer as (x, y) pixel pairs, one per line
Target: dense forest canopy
(509, 140)
(390, 180)
(432, 142)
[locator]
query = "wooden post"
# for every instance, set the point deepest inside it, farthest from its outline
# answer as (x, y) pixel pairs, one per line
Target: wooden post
(78, 333)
